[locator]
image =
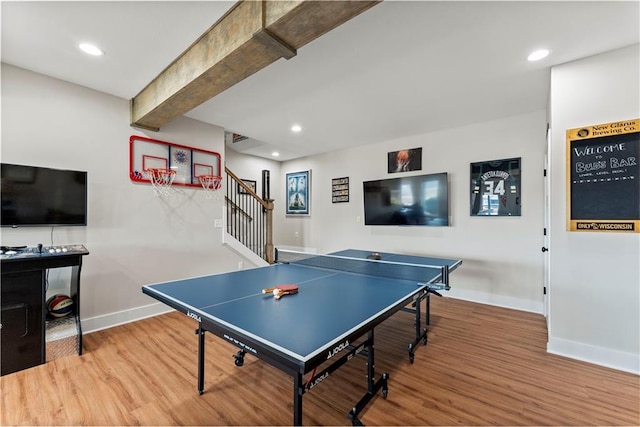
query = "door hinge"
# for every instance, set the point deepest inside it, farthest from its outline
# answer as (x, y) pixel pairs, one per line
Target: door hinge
(544, 290)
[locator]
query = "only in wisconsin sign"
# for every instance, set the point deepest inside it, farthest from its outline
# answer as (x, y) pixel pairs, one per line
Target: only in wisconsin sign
(603, 177)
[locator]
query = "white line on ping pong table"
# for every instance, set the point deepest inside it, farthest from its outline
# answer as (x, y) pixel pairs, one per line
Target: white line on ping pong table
(260, 294)
(325, 256)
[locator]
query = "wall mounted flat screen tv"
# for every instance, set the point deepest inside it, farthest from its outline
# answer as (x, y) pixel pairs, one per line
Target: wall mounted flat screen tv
(36, 196)
(411, 200)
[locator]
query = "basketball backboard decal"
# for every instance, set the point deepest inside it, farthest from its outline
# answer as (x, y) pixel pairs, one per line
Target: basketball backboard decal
(152, 162)
(189, 163)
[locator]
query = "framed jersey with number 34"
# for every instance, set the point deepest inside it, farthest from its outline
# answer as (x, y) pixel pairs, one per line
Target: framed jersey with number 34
(495, 188)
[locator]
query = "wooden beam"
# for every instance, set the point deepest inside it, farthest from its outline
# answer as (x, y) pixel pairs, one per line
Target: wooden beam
(251, 36)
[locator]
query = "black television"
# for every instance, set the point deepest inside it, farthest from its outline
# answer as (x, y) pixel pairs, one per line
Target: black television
(37, 196)
(410, 200)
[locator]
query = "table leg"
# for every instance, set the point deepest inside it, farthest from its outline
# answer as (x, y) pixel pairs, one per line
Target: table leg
(201, 337)
(298, 391)
(372, 385)
(421, 334)
(428, 308)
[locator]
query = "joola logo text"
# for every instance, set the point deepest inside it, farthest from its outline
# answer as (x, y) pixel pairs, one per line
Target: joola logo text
(338, 349)
(318, 380)
(194, 316)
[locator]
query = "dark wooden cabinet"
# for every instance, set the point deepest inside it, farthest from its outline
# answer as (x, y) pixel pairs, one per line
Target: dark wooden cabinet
(23, 311)
(22, 319)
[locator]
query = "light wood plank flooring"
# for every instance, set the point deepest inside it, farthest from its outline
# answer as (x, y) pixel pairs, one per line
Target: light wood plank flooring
(483, 366)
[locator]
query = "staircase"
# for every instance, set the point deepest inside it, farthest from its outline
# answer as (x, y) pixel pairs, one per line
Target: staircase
(249, 217)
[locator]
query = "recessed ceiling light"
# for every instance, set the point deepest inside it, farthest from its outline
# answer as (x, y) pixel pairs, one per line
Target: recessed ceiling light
(90, 49)
(296, 128)
(538, 55)
(275, 154)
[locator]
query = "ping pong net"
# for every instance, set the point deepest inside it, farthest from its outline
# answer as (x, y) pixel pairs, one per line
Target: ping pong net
(436, 277)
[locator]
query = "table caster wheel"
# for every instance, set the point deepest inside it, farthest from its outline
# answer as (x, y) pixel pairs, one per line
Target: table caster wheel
(385, 385)
(239, 356)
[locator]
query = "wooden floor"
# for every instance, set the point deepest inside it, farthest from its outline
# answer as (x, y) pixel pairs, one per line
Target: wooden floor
(483, 366)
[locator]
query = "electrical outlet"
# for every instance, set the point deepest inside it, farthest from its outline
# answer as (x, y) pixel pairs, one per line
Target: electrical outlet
(296, 235)
(240, 265)
(217, 223)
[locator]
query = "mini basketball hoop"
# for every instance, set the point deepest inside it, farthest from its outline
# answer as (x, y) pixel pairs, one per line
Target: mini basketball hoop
(210, 183)
(161, 179)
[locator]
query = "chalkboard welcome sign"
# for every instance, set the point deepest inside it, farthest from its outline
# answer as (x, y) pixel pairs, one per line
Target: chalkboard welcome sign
(603, 177)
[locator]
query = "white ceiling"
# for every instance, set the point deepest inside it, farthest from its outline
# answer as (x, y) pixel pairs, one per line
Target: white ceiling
(400, 68)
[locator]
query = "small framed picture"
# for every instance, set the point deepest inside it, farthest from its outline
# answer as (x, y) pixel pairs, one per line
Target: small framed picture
(406, 160)
(340, 190)
(249, 183)
(298, 192)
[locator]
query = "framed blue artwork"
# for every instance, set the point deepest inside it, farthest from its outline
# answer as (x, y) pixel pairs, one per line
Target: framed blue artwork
(298, 192)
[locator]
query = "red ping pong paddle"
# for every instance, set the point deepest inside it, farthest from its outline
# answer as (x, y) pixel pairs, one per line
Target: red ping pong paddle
(280, 290)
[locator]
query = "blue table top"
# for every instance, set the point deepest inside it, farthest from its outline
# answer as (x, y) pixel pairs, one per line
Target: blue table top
(329, 306)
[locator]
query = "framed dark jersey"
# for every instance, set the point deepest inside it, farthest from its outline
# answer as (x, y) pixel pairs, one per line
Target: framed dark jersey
(495, 188)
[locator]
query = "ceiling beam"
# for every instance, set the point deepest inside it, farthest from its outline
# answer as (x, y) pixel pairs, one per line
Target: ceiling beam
(249, 37)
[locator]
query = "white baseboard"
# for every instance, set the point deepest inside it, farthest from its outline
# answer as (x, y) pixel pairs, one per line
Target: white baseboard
(298, 248)
(110, 320)
(622, 361)
(497, 300)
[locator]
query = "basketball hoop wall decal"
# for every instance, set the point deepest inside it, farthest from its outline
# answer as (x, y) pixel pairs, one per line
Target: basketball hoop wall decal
(168, 166)
(161, 179)
(210, 183)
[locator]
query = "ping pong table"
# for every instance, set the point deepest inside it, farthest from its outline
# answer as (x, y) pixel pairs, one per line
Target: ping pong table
(342, 297)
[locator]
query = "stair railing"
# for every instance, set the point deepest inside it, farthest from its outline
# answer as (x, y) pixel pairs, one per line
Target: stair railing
(249, 217)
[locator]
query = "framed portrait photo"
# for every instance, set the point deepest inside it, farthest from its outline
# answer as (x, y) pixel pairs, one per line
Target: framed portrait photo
(406, 160)
(298, 192)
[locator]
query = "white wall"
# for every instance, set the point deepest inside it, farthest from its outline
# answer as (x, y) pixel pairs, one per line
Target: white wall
(502, 261)
(595, 277)
(134, 238)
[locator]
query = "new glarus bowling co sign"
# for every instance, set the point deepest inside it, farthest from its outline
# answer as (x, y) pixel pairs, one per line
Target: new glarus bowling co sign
(603, 177)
